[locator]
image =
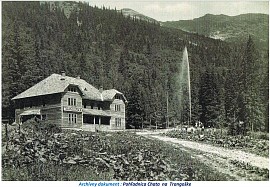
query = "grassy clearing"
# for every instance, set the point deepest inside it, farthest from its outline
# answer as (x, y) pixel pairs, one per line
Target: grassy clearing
(246, 169)
(42, 154)
(239, 169)
(256, 143)
(51, 172)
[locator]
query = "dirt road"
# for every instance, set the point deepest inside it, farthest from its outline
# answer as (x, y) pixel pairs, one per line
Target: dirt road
(227, 161)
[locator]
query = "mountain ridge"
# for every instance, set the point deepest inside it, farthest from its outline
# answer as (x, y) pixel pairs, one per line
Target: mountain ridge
(235, 29)
(134, 14)
(229, 28)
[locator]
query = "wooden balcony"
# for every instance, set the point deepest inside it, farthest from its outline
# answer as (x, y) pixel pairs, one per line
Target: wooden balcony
(72, 109)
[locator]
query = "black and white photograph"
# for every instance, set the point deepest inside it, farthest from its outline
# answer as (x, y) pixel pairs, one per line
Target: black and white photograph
(137, 91)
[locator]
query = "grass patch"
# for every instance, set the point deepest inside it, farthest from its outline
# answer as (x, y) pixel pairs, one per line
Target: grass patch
(71, 155)
(250, 143)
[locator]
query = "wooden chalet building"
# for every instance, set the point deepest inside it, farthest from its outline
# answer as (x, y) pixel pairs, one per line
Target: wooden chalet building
(71, 103)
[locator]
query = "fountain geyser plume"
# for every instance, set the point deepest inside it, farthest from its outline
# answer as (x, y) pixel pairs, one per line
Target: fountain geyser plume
(185, 90)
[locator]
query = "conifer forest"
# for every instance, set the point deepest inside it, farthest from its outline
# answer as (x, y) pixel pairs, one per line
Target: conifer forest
(227, 95)
(229, 81)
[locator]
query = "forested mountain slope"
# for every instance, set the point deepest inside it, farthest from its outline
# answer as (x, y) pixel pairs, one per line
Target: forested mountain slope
(139, 58)
(134, 14)
(228, 28)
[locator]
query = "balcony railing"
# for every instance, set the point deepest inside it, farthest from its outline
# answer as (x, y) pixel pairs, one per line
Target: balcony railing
(72, 109)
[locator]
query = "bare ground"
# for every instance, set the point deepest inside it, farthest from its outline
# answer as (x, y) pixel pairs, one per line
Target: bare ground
(221, 159)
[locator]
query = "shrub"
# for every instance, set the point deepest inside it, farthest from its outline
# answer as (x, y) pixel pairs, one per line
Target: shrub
(259, 135)
(35, 125)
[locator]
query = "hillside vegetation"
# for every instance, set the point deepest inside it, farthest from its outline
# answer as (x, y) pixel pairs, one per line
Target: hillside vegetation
(134, 14)
(228, 28)
(39, 152)
(139, 58)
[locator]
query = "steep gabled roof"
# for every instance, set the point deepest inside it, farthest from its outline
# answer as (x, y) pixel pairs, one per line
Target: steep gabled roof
(109, 94)
(50, 85)
(57, 84)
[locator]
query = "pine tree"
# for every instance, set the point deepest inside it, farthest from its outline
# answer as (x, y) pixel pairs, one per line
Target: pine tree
(209, 100)
(112, 50)
(11, 68)
(250, 91)
(134, 108)
(31, 74)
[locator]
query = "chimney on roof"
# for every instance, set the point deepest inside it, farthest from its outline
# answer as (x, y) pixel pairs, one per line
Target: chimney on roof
(78, 77)
(101, 89)
(63, 74)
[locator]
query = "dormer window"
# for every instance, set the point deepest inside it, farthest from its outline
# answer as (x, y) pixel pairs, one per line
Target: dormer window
(72, 89)
(117, 96)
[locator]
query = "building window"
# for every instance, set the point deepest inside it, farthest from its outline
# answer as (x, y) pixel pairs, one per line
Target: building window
(72, 102)
(69, 118)
(21, 105)
(99, 107)
(118, 122)
(72, 89)
(117, 97)
(117, 107)
(43, 117)
(72, 118)
(84, 105)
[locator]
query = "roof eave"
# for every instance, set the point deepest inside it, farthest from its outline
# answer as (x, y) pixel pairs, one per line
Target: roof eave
(89, 98)
(16, 97)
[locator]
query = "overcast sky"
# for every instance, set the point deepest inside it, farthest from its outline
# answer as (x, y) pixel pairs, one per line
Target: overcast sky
(163, 10)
